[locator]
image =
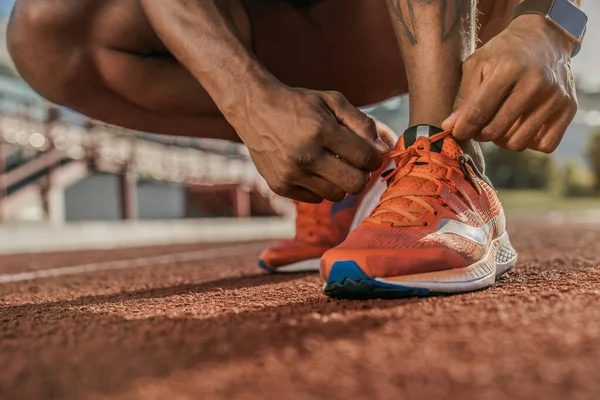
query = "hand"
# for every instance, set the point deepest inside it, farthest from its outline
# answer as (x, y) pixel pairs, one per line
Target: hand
(310, 145)
(518, 90)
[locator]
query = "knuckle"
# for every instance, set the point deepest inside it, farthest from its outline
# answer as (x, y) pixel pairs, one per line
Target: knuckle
(515, 66)
(368, 125)
(306, 159)
(357, 183)
(336, 195)
(534, 126)
(489, 133)
(546, 147)
(365, 161)
(279, 188)
(318, 132)
(477, 115)
(337, 96)
(535, 84)
(288, 174)
(515, 146)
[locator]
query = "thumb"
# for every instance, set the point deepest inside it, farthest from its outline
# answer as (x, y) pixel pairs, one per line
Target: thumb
(387, 134)
(355, 120)
(467, 88)
(450, 122)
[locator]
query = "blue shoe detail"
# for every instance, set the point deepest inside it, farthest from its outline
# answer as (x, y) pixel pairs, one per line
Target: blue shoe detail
(347, 280)
(348, 202)
(262, 264)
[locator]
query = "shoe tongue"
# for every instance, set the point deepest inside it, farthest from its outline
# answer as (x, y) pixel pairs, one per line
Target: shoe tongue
(447, 146)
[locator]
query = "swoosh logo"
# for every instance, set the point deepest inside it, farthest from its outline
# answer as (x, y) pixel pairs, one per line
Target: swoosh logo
(474, 234)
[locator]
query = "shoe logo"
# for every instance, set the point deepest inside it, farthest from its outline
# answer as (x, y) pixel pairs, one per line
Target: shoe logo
(472, 233)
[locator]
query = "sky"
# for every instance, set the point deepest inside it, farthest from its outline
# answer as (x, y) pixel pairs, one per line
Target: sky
(6, 6)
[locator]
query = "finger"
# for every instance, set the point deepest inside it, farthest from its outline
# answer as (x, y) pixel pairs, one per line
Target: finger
(524, 97)
(387, 134)
(353, 149)
(556, 129)
(301, 194)
(481, 106)
(348, 178)
(322, 188)
(470, 83)
(525, 130)
(355, 120)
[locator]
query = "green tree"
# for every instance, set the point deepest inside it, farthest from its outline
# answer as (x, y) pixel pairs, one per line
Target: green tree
(576, 179)
(593, 153)
(512, 170)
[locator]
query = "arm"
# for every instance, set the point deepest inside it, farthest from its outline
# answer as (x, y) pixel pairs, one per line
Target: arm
(518, 90)
(209, 46)
(293, 135)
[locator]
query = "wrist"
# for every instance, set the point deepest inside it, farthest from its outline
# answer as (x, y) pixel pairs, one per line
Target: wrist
(537, 24)
(241, 95)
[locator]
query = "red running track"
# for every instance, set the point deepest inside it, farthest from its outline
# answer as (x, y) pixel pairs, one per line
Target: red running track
(212, 326)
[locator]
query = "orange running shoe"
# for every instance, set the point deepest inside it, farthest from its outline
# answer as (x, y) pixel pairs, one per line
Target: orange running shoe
(320, 227)
(438, 228)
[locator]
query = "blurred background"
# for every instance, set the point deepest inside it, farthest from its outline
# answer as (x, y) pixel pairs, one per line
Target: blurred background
(59, 168)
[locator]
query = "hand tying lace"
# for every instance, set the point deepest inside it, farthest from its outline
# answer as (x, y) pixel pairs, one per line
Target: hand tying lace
(416, 166)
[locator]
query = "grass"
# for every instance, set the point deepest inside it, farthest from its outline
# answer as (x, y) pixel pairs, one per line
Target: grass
(542, 201)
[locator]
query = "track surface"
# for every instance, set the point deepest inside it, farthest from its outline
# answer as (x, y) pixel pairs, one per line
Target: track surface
(220, 329)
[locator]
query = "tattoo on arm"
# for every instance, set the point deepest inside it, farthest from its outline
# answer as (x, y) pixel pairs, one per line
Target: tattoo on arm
(449, 15)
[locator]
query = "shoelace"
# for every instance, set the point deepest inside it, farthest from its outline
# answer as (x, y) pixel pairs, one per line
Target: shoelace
(309, 220)
(418, 154)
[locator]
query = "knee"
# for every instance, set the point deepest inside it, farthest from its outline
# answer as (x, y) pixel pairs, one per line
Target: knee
(35, 40)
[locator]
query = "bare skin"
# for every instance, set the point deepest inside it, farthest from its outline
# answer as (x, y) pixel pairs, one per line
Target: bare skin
(137, 63)
(518, 90)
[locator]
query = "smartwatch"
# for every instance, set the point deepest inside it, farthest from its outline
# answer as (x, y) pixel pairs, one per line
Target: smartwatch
(563, 14)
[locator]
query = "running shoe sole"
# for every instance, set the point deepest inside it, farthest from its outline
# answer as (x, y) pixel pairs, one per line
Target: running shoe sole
(310, 265)
(347, 280)
(367, 204)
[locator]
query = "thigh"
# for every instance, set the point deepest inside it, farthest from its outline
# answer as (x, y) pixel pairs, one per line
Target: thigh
(343, 45)
(495, 15)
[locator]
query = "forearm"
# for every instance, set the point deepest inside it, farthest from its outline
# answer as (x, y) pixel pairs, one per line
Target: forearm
(433, 41)
(576, 2)
(208, 45)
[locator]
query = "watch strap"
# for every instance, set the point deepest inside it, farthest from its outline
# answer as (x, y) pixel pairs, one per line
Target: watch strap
(543, 7)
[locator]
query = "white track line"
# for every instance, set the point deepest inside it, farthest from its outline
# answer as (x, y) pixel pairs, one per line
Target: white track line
(198, 255)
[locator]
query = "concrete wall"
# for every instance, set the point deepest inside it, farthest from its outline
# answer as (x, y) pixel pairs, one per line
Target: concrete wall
(94, 198)
(97, 198)
(161, 200)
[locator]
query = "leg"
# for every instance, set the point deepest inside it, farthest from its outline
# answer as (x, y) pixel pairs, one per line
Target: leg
(435, 37)
(102, 58)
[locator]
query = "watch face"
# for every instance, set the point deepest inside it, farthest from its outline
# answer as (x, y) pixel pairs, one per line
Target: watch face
(569, 17)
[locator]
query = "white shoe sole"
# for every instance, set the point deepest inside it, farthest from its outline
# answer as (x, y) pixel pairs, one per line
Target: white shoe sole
(500, 258)
(310, 265)
(347, 280)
